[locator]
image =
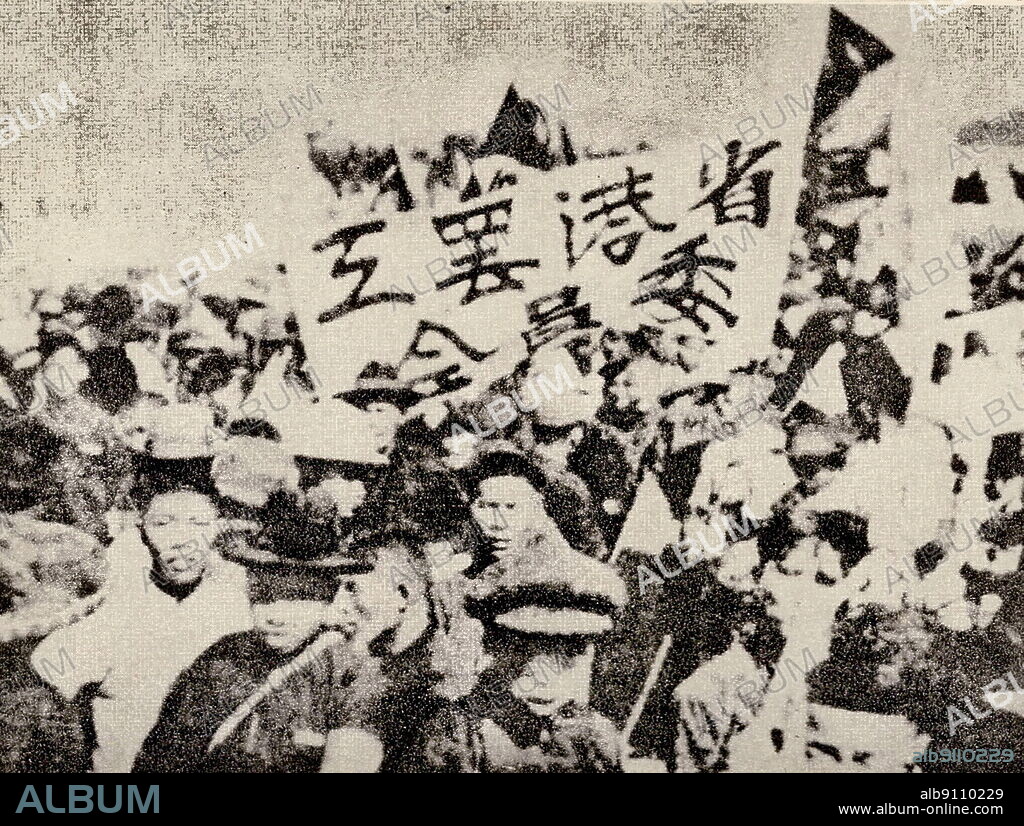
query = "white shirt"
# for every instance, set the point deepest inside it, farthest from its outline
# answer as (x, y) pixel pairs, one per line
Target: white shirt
(135, 645)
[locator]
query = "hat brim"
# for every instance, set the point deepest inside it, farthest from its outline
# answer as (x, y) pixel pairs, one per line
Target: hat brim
(251, 557)
(534, 619)
(169, 472)
(401, 398)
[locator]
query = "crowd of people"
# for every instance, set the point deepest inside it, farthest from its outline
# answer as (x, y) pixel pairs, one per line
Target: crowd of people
(212, 561)
(186, 586)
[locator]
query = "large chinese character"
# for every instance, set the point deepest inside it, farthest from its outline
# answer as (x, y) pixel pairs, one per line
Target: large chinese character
(740, 197)
(479, 230)
(676, 284)
(553, 315)
(629, 201)
(450, 377)
(355, 300)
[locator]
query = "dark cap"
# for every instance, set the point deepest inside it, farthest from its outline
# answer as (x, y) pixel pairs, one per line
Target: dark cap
(378, 383)
(550, 589)
(288, 536)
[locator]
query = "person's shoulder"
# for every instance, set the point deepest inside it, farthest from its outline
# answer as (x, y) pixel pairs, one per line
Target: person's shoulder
(78, 623)
(44, 533)
(224, 572)
(216, 672)
(239, 647)
(344, 650)
(239, 642)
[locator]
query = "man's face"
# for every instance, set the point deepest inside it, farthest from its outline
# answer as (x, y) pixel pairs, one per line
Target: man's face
(506, 508)
(384, 421)
(388, 595)
(180, 527)
(288, 623)
(556, 674)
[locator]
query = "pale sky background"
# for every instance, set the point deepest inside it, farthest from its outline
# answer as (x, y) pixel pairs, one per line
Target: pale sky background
(152, 94)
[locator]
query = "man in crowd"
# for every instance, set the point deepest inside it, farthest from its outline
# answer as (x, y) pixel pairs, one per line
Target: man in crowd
(171, 598)
(513, 498)
(530, 710)
(295, 693)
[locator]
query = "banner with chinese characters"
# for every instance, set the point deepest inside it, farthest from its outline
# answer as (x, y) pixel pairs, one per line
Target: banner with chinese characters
(691, 241)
